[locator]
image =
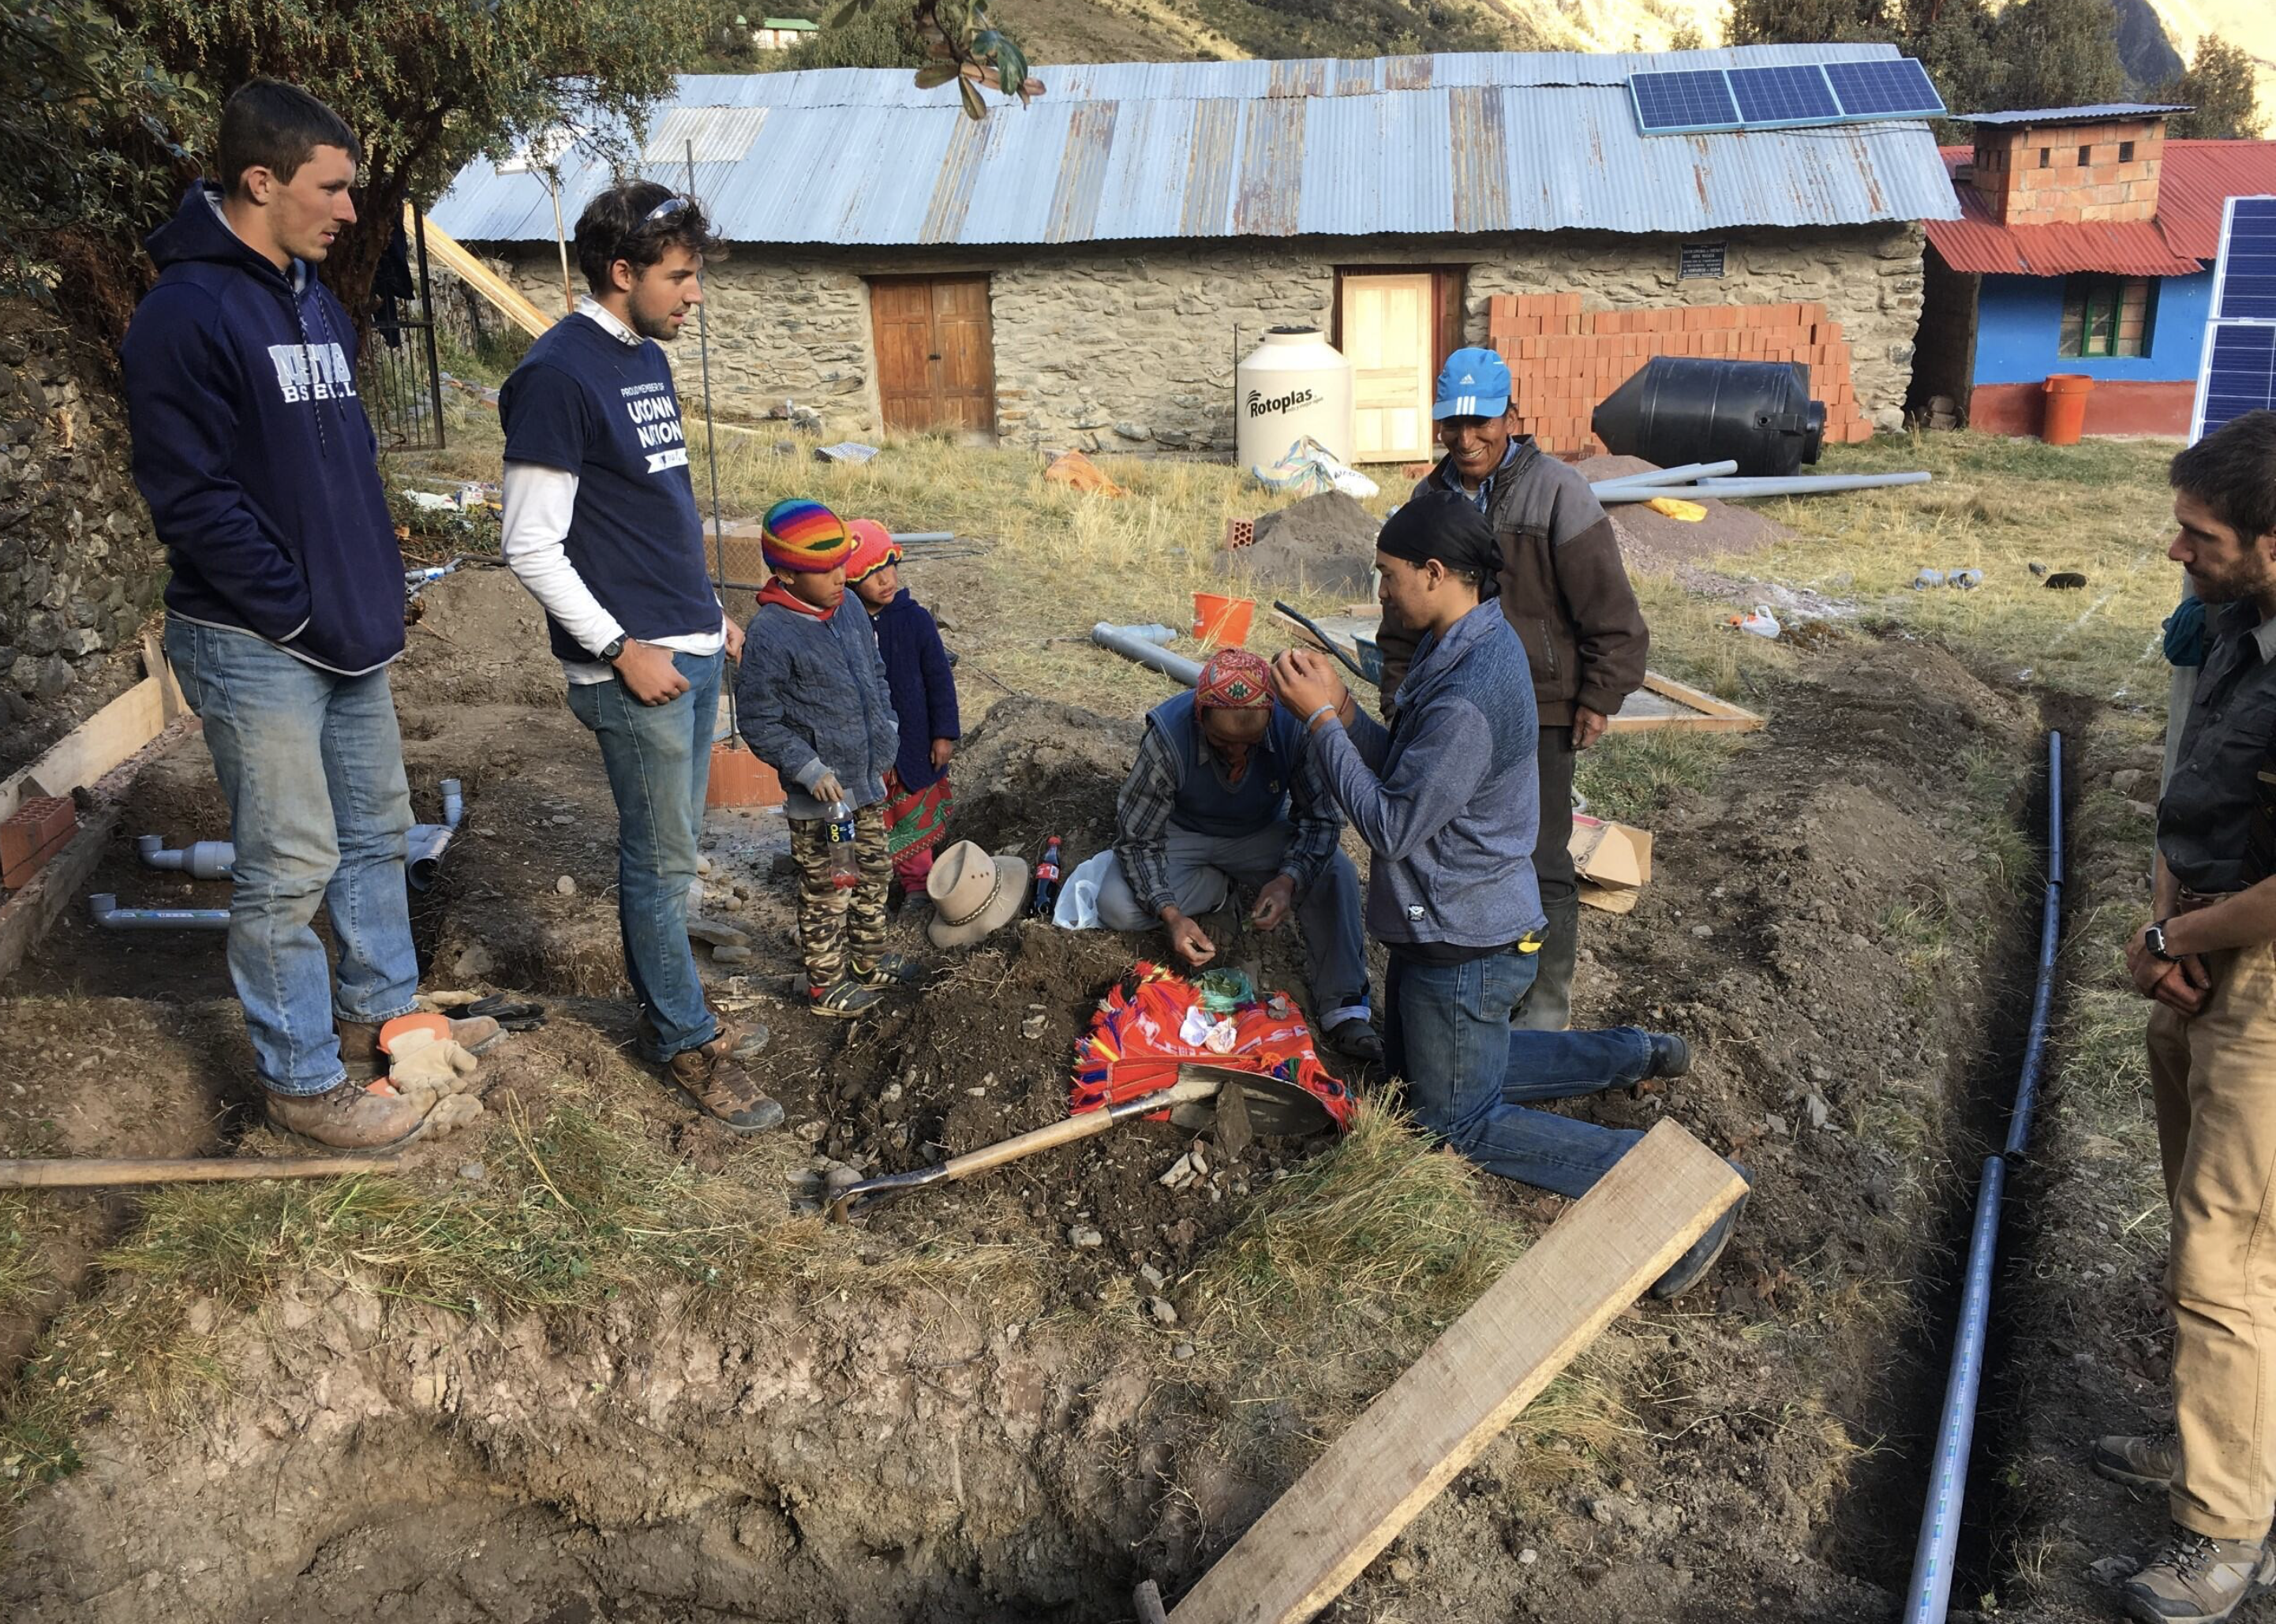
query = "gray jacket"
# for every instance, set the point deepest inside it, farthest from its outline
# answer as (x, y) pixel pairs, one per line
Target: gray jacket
(1447, 797)
(810, 698)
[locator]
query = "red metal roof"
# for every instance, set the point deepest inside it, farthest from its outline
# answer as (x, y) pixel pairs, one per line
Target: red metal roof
(2195, 177)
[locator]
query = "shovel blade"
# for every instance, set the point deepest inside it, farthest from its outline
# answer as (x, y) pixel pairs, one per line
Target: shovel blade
(1275, 1108)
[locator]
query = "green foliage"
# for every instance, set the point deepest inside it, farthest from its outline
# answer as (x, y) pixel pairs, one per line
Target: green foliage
(89, 140)
(2060, 53)
(2219, 85)
(960, 43)
(883, 37)
(1288, 29)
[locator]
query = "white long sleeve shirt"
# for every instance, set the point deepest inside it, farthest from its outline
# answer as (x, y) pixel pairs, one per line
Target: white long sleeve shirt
(540, 502)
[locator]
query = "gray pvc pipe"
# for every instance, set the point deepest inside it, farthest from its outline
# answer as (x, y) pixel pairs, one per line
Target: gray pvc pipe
(1736, 490)
(107, 912)
(215, 860)
(1124, 641)
(1676, 476)
(205, 860)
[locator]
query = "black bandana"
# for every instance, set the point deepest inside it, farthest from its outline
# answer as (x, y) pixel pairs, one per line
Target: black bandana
(1444, 525)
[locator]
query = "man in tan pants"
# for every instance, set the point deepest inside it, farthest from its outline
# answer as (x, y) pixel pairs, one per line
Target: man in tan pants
(2208, 958)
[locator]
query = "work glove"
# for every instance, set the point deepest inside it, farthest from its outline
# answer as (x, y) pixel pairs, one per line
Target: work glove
(420, 1061)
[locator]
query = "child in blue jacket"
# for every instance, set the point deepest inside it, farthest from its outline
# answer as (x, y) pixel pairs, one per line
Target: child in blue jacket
(917, 797)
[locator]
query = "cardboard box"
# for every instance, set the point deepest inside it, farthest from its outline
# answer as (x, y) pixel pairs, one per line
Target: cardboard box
(1609, 854)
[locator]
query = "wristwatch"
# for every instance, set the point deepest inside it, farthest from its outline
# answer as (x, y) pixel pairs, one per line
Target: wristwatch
(2154, 939)
(616, 647)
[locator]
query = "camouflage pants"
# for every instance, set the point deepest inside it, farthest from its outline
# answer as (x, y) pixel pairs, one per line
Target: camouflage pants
(832, 923)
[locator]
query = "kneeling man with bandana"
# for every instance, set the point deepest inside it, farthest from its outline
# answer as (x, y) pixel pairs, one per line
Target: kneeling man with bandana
(1226, 794)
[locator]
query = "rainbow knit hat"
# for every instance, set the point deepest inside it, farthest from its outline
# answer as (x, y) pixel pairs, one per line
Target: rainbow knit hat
(804, 536)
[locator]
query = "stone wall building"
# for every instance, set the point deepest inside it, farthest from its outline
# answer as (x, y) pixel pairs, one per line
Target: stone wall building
(1086, 270)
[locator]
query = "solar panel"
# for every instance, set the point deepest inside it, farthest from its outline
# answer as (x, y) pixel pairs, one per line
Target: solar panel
(2248, 262)
(1672, 103)
(1888, 89)
(2238, 372)
(1769, 98)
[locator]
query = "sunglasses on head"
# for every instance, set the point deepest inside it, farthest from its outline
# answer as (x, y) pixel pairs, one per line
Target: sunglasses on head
(663, 211)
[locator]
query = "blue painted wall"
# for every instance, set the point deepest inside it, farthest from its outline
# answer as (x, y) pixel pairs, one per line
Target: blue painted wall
(2019, 324)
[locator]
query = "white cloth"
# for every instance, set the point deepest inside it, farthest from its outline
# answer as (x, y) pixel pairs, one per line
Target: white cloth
(539, 502)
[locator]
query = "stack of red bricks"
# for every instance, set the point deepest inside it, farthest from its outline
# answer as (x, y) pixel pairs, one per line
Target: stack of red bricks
(32, 834)
(1563, 361)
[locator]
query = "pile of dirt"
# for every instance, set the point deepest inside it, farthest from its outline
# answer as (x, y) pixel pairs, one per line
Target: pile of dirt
(1322, 544)
(1654, 540)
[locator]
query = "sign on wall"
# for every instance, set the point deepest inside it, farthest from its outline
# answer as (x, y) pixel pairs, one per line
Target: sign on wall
(1695, 261)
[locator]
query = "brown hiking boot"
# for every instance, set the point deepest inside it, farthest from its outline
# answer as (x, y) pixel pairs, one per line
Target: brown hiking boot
(2139, 1462)
(363, 1058)
(2195, 1579)
(710, 1078)
(350, 1116)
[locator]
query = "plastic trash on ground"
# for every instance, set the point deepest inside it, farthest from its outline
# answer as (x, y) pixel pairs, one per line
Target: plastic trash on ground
(1079, 471)
(845, 451)
(1077, 908)
(1308, 469)
(1759, 620)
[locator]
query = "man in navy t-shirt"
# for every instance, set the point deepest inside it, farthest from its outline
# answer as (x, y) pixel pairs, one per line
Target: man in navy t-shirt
(601, 525)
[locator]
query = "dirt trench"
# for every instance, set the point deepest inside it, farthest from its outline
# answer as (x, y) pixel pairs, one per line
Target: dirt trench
(1023, 1441)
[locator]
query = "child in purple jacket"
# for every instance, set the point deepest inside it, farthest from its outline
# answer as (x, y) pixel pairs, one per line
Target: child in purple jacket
(917, 797)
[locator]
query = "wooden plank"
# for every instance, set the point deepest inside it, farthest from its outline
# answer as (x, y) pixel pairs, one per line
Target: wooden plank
(94, 746)
(155, 664)
(501, 294)
(1663, 702)
(27, 915)
(1468, 1385)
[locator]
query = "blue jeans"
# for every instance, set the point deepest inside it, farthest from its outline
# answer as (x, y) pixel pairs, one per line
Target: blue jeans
(312, 766)
(658, 759)
(1469, 1071)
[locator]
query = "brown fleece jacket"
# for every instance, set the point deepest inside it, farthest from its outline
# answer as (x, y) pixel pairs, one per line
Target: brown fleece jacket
(1563, 587)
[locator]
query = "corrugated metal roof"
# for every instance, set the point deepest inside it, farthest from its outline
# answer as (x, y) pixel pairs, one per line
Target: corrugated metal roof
(2194, 179)
(2076, 115)
(1488, 141)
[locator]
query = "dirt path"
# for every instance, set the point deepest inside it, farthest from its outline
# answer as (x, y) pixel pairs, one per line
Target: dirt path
(955, 1413)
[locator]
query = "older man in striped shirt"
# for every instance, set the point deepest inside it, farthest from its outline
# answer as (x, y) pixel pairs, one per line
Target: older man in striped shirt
(1225, 793)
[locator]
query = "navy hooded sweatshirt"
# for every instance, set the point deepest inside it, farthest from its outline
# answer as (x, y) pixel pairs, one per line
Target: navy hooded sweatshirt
(252, 450)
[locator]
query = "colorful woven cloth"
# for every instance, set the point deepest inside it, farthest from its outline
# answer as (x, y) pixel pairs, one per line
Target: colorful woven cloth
(915, 819)
(805, 536)
(1233, 680)
(1134, 1046)
(873, 549)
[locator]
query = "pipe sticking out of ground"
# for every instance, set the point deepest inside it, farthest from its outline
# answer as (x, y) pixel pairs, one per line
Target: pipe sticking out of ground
(1930, 1594)
(423, 851)
(103, 906)
(1123, 640)
(205, 860)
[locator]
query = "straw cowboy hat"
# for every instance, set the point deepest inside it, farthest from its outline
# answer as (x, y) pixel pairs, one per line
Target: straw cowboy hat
(972, 894)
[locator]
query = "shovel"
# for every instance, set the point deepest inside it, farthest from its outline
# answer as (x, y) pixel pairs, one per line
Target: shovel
(1268, 1104)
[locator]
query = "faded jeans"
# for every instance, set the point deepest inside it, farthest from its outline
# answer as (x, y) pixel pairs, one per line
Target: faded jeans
(1470, 1071)
(658, 759)
(312, 767)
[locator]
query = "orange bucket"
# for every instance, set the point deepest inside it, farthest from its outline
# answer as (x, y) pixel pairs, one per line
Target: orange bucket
(739, 778)
(2066, 412)
(1222, 622)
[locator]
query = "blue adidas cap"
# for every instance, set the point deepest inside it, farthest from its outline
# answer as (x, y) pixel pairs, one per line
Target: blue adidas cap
(1476, 383)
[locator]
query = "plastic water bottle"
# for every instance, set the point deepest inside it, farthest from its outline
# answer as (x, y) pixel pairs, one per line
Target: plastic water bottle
(845, 865)
(1047, 879)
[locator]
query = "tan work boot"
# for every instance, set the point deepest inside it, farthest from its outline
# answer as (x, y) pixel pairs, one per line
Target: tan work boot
(2194, 1579)
(2139, 1462)
(363, 1059)
(719, 1087)
(351, 1116)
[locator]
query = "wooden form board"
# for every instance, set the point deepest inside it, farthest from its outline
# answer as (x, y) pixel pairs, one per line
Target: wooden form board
(27, 916)
(104, 740)
(1468, 1385)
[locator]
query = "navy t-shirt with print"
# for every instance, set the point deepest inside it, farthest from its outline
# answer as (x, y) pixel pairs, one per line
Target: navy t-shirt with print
(586, 401)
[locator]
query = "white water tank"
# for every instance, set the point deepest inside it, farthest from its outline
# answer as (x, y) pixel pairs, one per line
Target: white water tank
(1294, 384)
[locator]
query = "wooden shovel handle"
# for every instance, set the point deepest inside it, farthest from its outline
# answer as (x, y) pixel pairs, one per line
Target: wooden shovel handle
(81, 1173)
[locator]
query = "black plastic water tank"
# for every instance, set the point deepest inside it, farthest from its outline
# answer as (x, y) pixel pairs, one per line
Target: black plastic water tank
(1689, 408)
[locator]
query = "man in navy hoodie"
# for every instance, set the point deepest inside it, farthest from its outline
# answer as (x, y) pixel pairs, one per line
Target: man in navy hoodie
(285, 603)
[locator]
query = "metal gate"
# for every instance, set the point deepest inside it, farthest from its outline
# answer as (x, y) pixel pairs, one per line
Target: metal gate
(402, 378)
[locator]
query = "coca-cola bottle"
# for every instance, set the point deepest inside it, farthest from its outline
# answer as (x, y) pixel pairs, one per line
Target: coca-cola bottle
(1047, 879)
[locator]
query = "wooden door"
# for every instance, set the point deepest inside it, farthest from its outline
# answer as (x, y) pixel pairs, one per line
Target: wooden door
(1388, 324)
(936, 353)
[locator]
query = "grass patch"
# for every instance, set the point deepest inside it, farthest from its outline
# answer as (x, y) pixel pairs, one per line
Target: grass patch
(1629, 777)
(576, 1212)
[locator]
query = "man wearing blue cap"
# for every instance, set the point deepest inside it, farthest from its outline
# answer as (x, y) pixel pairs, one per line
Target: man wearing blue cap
(1565, 593)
